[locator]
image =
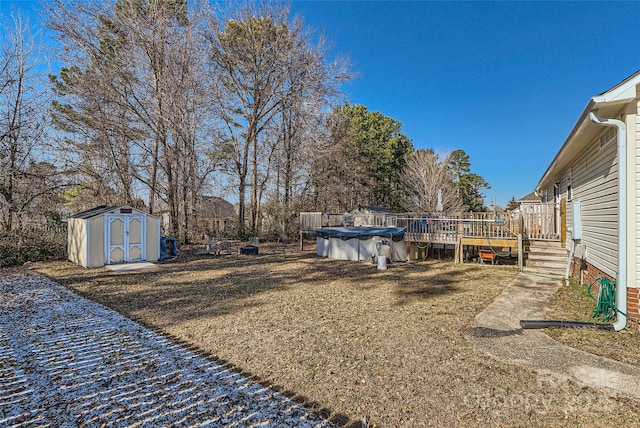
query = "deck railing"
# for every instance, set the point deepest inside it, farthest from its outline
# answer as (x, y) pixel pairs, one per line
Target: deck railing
(449, 227)
(312, 221)
(538, 222)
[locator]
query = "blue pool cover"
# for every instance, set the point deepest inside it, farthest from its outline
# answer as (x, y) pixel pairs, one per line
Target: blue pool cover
(365, 232)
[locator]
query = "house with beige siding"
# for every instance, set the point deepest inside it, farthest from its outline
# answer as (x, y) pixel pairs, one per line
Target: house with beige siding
(594, 184)
(214, 214)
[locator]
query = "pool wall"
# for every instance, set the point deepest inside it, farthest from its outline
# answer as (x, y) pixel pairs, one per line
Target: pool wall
(360, 243)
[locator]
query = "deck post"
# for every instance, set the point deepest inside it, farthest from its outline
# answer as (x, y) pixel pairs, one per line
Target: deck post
(458, 250)
(520, 252)
(456, 253)
(520, 247)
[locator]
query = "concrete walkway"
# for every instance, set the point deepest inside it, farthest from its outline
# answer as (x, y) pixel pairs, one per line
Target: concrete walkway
(498, 334)
(66, 361)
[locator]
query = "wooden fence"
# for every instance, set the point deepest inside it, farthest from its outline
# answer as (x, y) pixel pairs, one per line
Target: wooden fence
(312, 221)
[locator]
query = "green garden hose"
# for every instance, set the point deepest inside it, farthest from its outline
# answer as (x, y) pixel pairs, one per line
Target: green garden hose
(485, 229)
(606, 308)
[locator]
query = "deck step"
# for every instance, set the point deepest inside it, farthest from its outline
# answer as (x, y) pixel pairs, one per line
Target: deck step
(546, 257)
(541, 248)
(545, 244)
(546, 264)
(554, 273)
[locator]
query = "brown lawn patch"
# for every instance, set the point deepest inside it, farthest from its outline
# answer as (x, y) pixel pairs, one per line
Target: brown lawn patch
(386, 346)
(573, 303)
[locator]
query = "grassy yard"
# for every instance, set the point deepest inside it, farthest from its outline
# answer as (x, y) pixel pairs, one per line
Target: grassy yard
(350, 341)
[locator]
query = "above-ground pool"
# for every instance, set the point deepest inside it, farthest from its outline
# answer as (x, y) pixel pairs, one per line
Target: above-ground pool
(360, 243)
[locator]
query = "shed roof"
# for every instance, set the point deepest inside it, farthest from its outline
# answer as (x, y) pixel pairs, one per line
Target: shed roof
(100, 209)
(103, 209)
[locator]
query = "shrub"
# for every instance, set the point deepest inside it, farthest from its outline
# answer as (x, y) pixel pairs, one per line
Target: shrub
(18, 247)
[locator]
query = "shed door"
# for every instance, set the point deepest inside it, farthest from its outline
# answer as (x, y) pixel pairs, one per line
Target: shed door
(125, 238)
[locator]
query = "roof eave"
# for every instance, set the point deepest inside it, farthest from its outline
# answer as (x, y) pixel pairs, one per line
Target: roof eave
(567, 143)
(615, 97)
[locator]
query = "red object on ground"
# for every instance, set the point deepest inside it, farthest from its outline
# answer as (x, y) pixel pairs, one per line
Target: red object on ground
(486, 255)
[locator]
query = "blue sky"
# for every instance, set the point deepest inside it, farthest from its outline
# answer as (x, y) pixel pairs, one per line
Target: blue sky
(504, 81)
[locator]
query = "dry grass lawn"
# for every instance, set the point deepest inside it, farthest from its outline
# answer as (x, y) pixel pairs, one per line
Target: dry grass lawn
(573, 303)
(352, 342)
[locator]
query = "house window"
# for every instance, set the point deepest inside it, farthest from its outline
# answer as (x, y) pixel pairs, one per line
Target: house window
(607, 136)
(569, 188)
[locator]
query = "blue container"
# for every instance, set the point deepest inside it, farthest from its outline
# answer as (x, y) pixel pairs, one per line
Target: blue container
(172, 249)
(168, 248)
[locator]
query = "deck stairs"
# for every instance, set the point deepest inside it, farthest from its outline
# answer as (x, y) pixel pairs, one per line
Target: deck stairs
(546, 257)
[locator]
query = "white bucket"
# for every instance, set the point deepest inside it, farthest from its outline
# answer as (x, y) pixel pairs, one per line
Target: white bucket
(382, 262)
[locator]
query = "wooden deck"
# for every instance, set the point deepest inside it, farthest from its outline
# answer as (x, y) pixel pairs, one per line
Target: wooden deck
(462, 231)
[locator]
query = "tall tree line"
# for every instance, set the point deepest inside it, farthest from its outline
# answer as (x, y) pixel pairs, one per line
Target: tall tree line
(273, 83)
(161, 102)
(361, 161)
(134, 101)
(158, 95)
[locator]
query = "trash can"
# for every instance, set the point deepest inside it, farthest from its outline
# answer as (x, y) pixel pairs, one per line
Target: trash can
(163, 248)
(172, 248)
(168, 248)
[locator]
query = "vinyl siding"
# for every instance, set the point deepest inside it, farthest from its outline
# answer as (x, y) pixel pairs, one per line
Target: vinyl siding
(569, 218)
(594, 177)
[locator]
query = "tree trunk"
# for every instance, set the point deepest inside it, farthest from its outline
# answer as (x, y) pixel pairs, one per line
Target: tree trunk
(254, 187)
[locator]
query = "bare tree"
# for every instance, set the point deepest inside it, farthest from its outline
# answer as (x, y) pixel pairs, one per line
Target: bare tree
(138, 94)
(23, 125)
(266, 66)
(425, 175)
(312, 89)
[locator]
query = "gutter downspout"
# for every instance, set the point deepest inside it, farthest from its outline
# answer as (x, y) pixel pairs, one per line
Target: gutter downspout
(621, 281)
(571, 253)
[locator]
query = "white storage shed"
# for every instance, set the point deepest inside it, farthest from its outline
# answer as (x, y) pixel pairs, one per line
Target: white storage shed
(108, 235)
